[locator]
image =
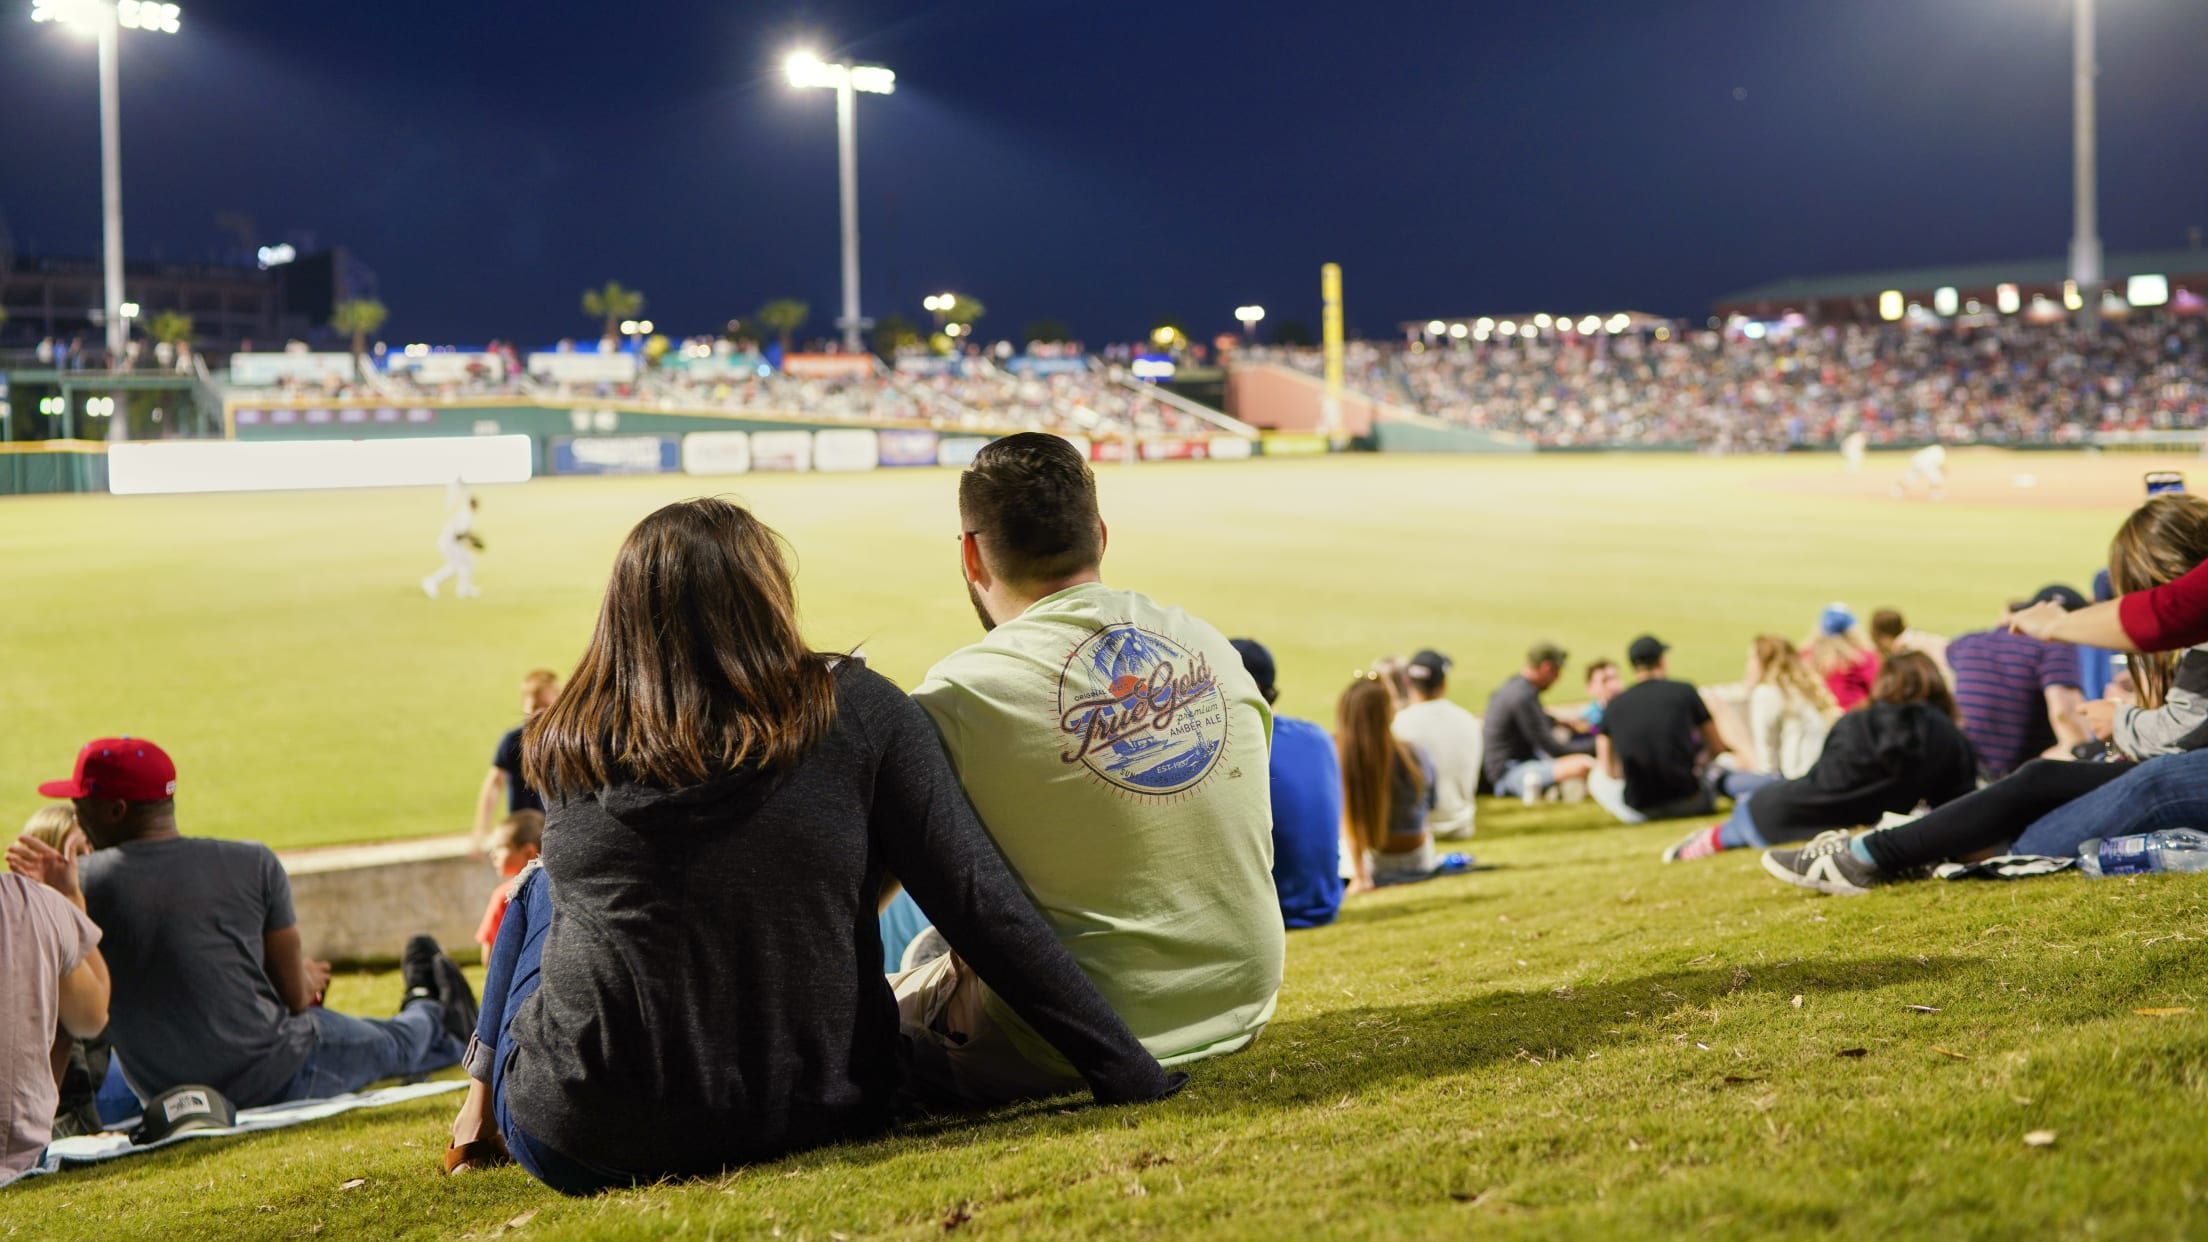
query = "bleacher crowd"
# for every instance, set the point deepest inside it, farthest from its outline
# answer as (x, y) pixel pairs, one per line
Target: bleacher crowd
(1093, 810)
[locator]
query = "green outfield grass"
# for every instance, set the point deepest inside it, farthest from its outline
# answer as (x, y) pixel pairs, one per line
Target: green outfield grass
(278, 647)
(1575, 1042)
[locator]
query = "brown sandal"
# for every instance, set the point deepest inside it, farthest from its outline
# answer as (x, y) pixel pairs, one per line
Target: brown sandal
(483, 1153)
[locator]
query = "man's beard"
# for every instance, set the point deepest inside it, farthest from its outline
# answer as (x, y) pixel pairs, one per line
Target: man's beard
(981, 610)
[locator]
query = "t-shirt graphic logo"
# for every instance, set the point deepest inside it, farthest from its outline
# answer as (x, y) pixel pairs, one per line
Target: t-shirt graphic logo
(1141, 711)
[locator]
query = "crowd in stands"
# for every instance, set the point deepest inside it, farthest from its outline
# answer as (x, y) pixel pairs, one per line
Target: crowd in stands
(2000, 381)
(709, 826)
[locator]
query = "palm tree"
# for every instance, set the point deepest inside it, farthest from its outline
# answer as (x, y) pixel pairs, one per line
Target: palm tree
(965, 310)
(1046, 331)
(613, 303)
(893, 333)
(170, 328)
(359, 318)
(782, 317)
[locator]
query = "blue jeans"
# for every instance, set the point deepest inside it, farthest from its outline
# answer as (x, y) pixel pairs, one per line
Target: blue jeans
(514, 972)
(349, 1053)
(2168, 792)
(1739, 829)
(1542, 772)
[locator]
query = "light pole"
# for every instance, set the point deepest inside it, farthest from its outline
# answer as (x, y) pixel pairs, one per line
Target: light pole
(808, 70)
(2085, 245)
(106, 20)
(1249, 315)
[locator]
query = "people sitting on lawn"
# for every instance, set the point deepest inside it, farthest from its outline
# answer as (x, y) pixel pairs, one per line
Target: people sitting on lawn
(540, 688)
(1115, 749)
(1449, 737)
(89, 1056)
(2020, 695)
(692, 979)
(1653, 758)
(513, 845)
(1387, 793)
(1841, 654)
(1306, 782)
(1519, 746)
(2048, 807)
(216, 991)
(1892, 634)
(56, 982)
(1902, 749)
(1604, 683)
(1789, 709)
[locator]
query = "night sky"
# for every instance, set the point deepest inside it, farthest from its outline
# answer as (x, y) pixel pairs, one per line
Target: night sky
(1108, 164)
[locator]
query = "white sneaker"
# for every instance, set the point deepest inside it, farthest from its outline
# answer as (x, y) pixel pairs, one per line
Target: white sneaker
(1530, 791)
(429, 588)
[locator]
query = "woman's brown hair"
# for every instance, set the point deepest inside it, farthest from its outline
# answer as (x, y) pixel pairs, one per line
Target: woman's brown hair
(1779, 666)
(696, 666)
(1369, 750)
(1912, 677)
(2160, 542)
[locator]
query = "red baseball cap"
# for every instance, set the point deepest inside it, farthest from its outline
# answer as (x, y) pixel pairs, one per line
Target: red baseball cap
(129, 768)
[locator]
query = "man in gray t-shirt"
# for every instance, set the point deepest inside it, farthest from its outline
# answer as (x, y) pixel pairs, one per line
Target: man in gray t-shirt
(211, 987)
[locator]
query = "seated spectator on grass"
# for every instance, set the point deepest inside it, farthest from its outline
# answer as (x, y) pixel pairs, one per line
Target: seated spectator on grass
(1843, 656)
(692, 979)
(1891, 635)
(2049, 806)
(1519, 746)
(2019, 695)
(1604, 683)
(56, 984)
(1657, 738)
(1902, 749)
(215, 991)
(540, 688)
(89, 1057)
(1449, 737)
(514, 844)
(1387, 793)
(1306, 784)
(1115, 749)
(1789, 709)
(1395, 674)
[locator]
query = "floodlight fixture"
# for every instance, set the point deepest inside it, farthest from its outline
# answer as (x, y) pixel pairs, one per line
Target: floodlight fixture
(1435, 327)
(806, 70)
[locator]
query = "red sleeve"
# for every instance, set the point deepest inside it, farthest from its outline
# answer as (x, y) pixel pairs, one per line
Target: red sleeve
(2168, 617)
(495, 914)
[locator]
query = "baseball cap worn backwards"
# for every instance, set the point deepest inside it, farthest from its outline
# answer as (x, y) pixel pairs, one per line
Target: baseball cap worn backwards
(129, 768)
(1428, 666)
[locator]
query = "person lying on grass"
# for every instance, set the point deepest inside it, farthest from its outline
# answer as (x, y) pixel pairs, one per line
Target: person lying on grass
(691, 978)
(2157, 776)
(1902, 748)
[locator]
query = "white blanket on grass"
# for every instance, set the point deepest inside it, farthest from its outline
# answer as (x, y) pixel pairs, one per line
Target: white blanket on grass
(115, 1144)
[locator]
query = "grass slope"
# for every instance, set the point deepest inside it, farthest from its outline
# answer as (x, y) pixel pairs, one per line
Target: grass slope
(277, 645)
(1580, 1042)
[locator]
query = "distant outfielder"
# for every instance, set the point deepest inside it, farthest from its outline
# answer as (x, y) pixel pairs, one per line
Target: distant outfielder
(1852, 448)
(457, 543)
(1927, 465)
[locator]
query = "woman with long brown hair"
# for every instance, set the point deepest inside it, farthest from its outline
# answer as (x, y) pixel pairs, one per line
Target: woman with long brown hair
(2048, 806)
(1387, 791)
(1903, 747)
(693, 980)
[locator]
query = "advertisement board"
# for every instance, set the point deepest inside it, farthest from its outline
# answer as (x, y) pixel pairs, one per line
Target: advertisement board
(450, 366)
(1173, 448)
(267, 370)
(1294, 444)
(846, 448)
(1029, 364)
(163, 467)
(957, 451)
(828, 366)
(781, 450)
(616, 454)
(573, 368)
(1107, 450)
(928, 364)
(905, 447)
(716, 452)
(1230, 448)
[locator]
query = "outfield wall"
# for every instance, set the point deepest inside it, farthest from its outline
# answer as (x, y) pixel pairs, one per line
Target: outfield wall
(360, 903)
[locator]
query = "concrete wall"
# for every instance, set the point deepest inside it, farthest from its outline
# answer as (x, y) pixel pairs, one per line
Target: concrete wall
(358, 902)
(1279, 398)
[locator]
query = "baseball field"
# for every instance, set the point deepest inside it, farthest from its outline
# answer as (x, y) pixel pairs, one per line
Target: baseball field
(1575, 1040)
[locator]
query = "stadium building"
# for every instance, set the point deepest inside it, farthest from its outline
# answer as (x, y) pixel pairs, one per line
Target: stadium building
(2177, 278)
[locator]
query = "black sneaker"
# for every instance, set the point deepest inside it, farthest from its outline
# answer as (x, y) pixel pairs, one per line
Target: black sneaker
(1826, 864)
(418, 967)
(457, 997)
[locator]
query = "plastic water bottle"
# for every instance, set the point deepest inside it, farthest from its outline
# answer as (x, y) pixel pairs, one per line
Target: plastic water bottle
(2174, 849)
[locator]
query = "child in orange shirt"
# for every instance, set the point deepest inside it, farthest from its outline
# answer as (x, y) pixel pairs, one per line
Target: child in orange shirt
(514, 845)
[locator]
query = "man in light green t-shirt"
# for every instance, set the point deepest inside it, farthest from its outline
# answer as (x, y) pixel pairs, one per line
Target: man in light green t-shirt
(1117, 752)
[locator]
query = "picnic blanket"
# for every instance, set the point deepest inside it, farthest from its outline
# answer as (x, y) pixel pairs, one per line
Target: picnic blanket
(94, 1148)
(2006, 867)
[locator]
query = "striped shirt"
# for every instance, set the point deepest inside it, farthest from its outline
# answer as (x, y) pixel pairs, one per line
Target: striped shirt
(2001, 682)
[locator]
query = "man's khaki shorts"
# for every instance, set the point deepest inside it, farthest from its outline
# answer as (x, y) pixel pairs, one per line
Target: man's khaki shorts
(958, 1054)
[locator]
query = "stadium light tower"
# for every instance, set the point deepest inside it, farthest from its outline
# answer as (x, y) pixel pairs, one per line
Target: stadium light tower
(808, 70)
(105, 20)
(1249, 315)
(2085, 244)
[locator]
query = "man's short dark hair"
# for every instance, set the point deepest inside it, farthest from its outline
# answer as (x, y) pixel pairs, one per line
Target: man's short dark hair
(1598, 667)
(1030, 500)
